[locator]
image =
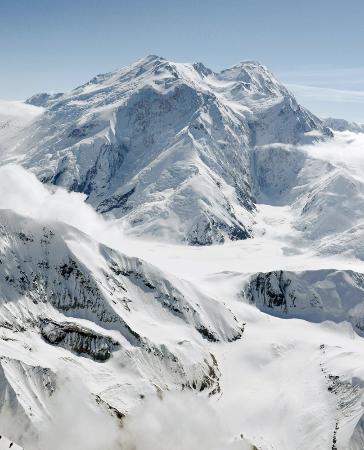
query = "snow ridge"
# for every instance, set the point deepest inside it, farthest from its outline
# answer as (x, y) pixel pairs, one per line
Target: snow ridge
(166, 147)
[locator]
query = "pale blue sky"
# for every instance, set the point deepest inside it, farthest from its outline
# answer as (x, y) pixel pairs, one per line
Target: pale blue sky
(49, 45)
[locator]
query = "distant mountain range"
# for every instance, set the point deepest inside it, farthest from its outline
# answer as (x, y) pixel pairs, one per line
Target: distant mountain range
(343, 125)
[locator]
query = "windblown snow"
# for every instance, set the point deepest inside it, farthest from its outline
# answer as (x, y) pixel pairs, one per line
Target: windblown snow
(181, 266)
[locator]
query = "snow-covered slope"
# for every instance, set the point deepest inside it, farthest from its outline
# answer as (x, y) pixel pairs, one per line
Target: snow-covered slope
(42, 99)
(311, 295)
(321, 184)
(72, 307)
(166, 146)
(65, 298)
(5, 444)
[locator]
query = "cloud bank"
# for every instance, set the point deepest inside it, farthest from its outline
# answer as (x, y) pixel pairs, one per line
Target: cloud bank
(178, 421)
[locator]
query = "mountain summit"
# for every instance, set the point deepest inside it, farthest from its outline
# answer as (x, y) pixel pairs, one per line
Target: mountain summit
(166, 147)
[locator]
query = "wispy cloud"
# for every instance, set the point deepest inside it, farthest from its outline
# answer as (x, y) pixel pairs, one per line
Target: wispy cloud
(328, 90)
(327, 94)
(329, 102)
(326, 76)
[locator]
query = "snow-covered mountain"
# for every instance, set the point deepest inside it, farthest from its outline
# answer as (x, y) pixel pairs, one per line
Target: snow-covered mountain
(128, 330)
(112, 334)
(71, 305)
(166, 146)
(343, 125)
(67, 300)
(315, 295)
(247, 327)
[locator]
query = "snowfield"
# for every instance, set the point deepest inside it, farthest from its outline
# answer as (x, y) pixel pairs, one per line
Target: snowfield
(181, 266)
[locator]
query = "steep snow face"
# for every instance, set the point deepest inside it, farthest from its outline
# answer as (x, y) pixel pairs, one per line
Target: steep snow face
(65, 281)
(251, 79)
(165, 147)
(276, 115)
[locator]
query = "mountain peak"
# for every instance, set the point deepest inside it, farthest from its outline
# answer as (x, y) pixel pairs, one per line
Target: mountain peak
(130, 137)
(255, 78)
(252, 62)
(248, 67)
(43, 98)
(150, 58)
(202, 69)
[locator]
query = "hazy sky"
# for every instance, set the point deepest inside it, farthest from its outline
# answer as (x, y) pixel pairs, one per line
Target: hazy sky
(49, 45)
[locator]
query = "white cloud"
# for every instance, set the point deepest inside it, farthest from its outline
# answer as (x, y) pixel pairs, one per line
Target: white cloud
(178, 421)
(18, 109)
(346, 149)
(326, 76)
(327, 94)
(328, 90)
(22, 192)
(181, 421)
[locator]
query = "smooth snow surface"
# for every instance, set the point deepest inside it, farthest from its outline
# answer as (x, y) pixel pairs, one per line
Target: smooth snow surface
(6, 444)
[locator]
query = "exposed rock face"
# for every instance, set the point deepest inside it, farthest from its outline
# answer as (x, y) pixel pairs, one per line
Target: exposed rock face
(316, 295)
(347, 397)
(78, 339)
(52, 274)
